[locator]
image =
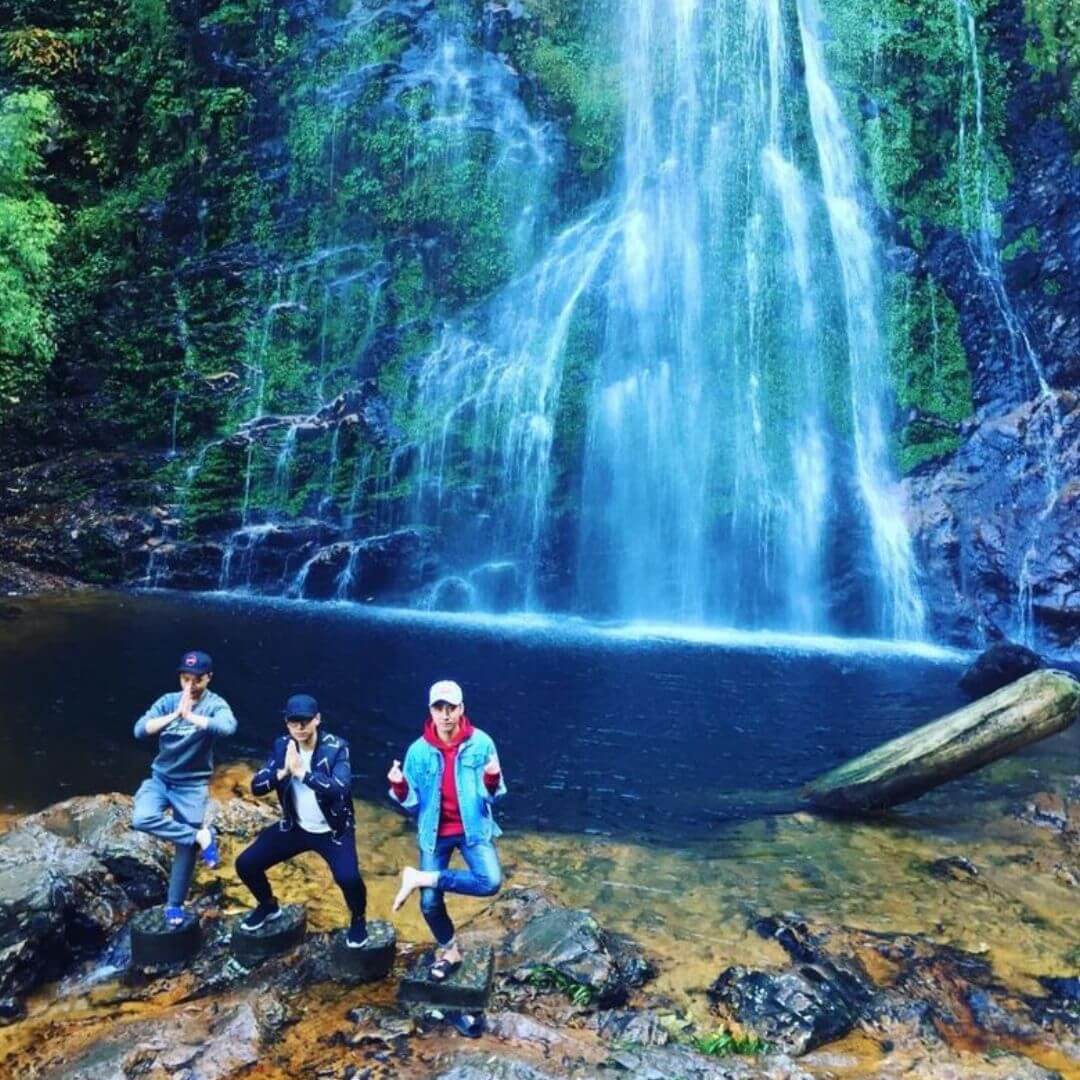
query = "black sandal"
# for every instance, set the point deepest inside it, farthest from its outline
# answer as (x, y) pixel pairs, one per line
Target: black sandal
(442, 969)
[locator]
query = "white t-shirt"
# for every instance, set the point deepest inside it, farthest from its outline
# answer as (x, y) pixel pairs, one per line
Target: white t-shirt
(308, 815)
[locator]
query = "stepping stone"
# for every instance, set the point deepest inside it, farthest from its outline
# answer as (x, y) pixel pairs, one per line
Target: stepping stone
(468, 988)
(276, 936)
(156, 944)
(369, 963)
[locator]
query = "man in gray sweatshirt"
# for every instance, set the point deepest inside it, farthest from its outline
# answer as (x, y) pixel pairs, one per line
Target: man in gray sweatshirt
(187, 724)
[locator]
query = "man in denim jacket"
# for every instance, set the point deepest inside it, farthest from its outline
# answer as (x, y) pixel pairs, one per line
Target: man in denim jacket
(451, 780)
(186, 723)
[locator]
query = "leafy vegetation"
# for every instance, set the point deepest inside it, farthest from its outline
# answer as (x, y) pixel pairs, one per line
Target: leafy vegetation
(546, 977)
(29, 228)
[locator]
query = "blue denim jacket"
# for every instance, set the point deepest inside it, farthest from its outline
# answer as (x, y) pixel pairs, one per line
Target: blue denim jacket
(423, 769)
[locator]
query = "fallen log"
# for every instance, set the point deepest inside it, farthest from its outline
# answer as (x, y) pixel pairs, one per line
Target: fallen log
(1032, 708)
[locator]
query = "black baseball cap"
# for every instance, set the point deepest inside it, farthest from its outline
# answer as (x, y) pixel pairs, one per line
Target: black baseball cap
(300, 705)
(195, 663)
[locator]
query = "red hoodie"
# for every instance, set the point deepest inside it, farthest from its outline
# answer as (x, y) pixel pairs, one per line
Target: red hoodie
(449, 809)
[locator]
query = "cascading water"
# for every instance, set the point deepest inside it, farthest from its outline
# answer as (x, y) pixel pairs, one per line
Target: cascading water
(676, 408)
(731, 447)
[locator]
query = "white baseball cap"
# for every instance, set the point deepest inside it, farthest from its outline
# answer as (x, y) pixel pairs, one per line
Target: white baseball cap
(446, 690)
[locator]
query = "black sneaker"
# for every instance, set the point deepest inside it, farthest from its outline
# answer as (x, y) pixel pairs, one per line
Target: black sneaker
(356, 937)
(264, 913)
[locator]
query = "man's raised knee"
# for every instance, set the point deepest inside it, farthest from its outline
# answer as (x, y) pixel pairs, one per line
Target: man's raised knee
(490, 884)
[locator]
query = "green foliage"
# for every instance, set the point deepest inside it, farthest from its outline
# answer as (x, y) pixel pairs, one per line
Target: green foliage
(571, 54)
(1028, 240)
(906, 71)
(721, 1043)
(1055, 48)
(546, 977)
(29, 228)
(586, 89)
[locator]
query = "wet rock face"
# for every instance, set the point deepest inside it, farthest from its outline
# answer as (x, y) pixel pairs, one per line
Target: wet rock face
(1004, 662)
(102, 824)
(80, 516)
(385, 567)
(57, 903)
(987, 521)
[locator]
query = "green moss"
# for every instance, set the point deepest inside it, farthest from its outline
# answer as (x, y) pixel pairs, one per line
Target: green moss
(567, 48)
(1055, 47)
(1028, 240)
(929, 369)
(216, 487)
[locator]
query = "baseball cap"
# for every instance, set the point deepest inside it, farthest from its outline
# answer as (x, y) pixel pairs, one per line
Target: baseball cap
(195, 663)
(301, 705)
(446, 690)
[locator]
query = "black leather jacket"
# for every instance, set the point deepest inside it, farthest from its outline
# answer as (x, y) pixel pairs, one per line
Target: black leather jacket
(330, 777)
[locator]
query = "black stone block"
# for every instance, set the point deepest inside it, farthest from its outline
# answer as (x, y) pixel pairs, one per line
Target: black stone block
(155, 944)
(468, 988)
(275, 936)
(371, 962)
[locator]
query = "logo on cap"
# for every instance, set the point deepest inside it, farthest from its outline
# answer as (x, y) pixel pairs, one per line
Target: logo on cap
(191, 659)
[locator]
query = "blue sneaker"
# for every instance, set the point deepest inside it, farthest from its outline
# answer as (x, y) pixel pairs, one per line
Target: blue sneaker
(356, 937)
(175, 916)
(210, 855)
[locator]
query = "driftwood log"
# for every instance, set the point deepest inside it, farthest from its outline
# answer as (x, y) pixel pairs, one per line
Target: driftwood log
(1032, 708)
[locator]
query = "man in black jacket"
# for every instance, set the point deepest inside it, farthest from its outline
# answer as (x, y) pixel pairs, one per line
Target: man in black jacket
(311, 774)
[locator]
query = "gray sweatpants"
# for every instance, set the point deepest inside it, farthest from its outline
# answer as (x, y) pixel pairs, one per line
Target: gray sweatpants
(187, 801)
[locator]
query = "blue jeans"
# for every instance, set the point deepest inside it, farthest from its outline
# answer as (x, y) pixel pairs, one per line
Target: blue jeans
(188, 805)
(483, 878)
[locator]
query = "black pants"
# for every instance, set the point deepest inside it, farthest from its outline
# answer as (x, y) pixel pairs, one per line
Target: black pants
(273, 846)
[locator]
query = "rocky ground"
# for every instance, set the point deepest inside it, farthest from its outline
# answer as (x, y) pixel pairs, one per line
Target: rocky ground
(800, 994)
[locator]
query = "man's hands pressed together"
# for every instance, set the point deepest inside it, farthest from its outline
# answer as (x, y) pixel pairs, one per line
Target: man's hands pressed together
(294, 766)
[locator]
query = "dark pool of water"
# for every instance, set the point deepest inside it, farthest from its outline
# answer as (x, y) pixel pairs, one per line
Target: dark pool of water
(617, 735)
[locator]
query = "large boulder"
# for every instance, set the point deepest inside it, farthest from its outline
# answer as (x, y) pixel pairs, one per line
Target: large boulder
(573, 944)
(102, 824)
(1004, 662)
(57, 902)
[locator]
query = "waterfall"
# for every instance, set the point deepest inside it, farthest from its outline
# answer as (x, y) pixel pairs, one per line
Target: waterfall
(902, 605)
(721, 468)
(674, 408)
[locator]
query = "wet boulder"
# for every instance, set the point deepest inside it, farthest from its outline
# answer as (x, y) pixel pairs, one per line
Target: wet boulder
(1004, 662)
(797, 1009)
(102, 824)
(387, 567)
(572, 944)
(57, 902)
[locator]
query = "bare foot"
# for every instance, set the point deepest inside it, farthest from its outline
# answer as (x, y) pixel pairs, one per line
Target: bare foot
(451, 954)
(411, 880)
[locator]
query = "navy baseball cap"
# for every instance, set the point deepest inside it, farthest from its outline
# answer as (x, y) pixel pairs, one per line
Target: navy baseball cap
(300, 705)
(195, 663)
